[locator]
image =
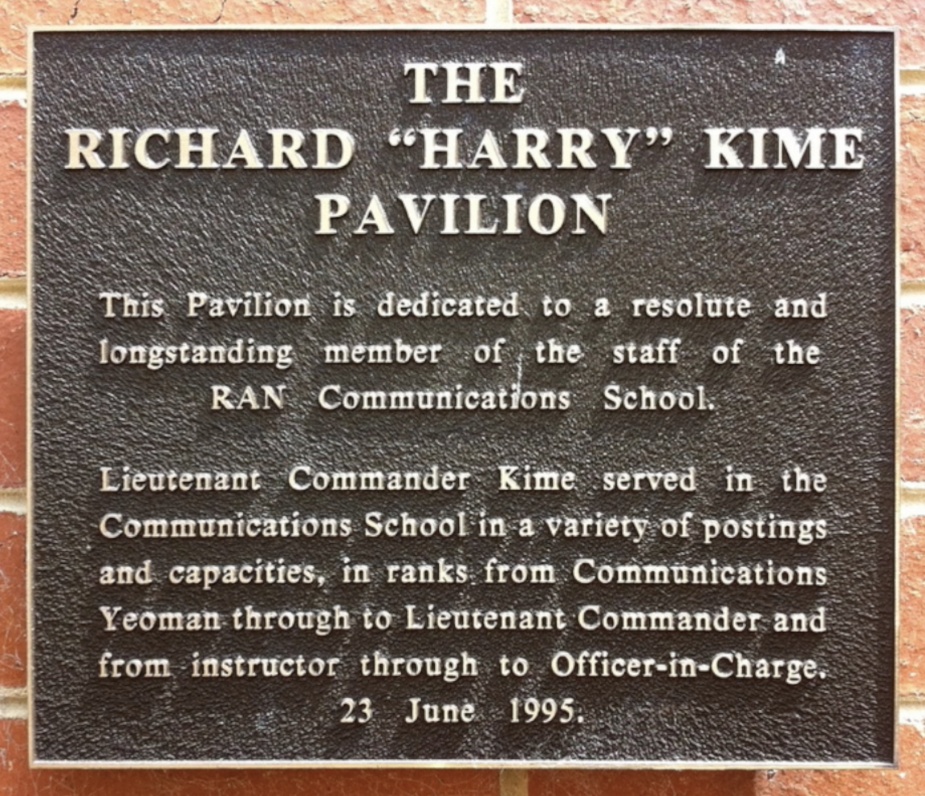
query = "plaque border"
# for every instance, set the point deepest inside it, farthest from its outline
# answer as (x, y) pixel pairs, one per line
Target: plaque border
(481, 763)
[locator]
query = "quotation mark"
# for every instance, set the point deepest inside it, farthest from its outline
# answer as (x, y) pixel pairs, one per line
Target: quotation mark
(654, 135)
(406, 137)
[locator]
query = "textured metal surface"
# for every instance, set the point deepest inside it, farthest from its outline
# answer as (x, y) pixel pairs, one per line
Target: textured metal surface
(674, 229)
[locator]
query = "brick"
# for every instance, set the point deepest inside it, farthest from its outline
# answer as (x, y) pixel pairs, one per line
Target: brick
(16, 15)
(12, 189)
(912, 187)
(907, 780)
(12, 601)
(642, 783)
(16, 779)
(912, 608)
(908, 15)
(912, 394)
(12, 399)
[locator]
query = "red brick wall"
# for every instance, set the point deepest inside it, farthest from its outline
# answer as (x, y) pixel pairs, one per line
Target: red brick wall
(15, 776)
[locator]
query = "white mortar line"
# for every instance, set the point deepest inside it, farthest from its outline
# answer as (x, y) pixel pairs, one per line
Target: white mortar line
(912, 714)
(912, 294)
(14, 703)
(499, 12)
(13, 90)
(13, 298)
(13, 501)
(911, 500)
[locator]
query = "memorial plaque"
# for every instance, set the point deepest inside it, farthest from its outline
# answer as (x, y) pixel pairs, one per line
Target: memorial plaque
(463, 397)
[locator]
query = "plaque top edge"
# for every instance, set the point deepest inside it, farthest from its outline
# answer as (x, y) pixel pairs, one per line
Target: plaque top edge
(505, 27)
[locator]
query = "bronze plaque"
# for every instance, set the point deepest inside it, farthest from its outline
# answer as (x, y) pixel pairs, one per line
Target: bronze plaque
(463, 396)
